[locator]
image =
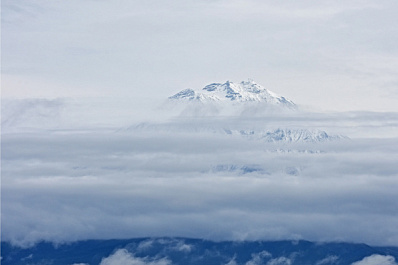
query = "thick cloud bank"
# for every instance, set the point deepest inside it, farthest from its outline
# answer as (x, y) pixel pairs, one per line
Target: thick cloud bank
(188, 177)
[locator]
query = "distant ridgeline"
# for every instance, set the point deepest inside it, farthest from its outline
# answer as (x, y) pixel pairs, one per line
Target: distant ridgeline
(182, 251)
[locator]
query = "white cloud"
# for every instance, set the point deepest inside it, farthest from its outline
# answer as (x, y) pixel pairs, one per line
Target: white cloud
(144, 245)
(376, 260)
(232, 262)
(280, 261)
(181, 246)
(258, 258)
(123, 257)
(333, 259)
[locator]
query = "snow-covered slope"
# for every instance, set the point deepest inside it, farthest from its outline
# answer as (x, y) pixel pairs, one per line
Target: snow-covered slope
(294, 135)
(287, 135)
(245, 91)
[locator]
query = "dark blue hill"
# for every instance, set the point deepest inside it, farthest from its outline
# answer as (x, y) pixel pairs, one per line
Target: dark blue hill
(192, 251)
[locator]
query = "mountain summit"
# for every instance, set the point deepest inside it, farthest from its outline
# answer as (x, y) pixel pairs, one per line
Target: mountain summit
(245, 91)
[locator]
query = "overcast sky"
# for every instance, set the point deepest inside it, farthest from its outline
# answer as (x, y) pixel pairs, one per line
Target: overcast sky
(333, 55)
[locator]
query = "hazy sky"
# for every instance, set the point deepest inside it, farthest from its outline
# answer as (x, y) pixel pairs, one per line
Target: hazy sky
(338, 55)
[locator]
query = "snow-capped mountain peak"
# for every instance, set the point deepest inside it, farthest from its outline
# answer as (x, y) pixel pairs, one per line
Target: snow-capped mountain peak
(245, 91)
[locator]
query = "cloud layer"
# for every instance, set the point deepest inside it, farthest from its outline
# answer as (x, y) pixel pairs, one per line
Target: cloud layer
(184, 178)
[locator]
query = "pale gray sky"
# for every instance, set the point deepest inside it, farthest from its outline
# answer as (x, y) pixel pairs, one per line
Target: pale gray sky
(333, 55)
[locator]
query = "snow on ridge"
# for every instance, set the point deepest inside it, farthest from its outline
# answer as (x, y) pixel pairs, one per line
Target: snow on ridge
(288, 135)
(300, 135)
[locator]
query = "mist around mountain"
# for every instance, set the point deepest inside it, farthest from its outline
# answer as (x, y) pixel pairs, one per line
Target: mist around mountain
(239, 167)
